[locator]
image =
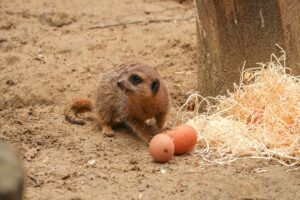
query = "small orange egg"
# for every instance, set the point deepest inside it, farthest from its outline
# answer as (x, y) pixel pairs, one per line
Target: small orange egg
(162, 148)
(184, 138)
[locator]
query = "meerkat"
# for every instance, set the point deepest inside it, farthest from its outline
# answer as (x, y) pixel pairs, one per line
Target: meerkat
(132, 94)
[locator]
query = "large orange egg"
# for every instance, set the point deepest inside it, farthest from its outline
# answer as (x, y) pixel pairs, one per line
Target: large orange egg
(184, 138)
(162, 148)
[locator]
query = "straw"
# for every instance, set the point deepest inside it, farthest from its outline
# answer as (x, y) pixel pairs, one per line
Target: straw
(259, 119)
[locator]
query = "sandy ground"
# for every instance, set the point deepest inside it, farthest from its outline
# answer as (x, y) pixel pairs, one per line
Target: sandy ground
(52, 51)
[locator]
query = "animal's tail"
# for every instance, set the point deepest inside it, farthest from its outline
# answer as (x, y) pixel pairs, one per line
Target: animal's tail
(78, 106)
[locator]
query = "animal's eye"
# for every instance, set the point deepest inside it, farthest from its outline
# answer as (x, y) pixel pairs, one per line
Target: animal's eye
(135, 79)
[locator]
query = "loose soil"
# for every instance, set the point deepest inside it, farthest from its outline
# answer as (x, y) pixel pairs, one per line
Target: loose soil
(52, 51)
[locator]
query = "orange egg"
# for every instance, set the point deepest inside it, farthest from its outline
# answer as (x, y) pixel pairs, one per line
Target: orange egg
(184, 138)
(162, 148)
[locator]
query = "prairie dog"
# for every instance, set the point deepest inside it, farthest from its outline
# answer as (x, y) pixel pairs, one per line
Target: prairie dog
(131, 94)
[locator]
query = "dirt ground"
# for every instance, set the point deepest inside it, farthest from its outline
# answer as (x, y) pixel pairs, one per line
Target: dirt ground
(52, 51)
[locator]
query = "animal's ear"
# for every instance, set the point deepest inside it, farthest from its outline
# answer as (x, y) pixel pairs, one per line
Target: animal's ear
(155, 86)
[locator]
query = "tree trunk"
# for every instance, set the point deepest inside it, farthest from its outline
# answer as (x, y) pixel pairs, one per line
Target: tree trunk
(231, 32)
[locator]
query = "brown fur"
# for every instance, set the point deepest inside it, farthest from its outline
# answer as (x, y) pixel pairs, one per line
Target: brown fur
(129, 103)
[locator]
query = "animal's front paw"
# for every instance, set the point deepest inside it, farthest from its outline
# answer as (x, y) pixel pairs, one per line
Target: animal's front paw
(108, 132)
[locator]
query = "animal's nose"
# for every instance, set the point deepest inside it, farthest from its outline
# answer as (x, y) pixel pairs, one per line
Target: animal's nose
(119, 84)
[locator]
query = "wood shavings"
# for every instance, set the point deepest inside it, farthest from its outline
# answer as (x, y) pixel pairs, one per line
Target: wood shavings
(259, 119)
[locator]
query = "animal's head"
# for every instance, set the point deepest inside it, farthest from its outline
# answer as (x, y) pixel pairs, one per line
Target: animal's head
(138, 80)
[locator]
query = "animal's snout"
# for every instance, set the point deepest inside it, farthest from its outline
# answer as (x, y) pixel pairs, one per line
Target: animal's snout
(123, 85)
(120, 84)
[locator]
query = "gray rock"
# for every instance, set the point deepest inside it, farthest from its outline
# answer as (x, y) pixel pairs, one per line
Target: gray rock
(11, 174)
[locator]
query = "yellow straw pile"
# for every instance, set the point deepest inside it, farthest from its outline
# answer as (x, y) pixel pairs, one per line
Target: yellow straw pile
(259, 119)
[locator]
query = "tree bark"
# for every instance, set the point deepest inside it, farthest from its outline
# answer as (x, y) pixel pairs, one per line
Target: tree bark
(231, 32)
